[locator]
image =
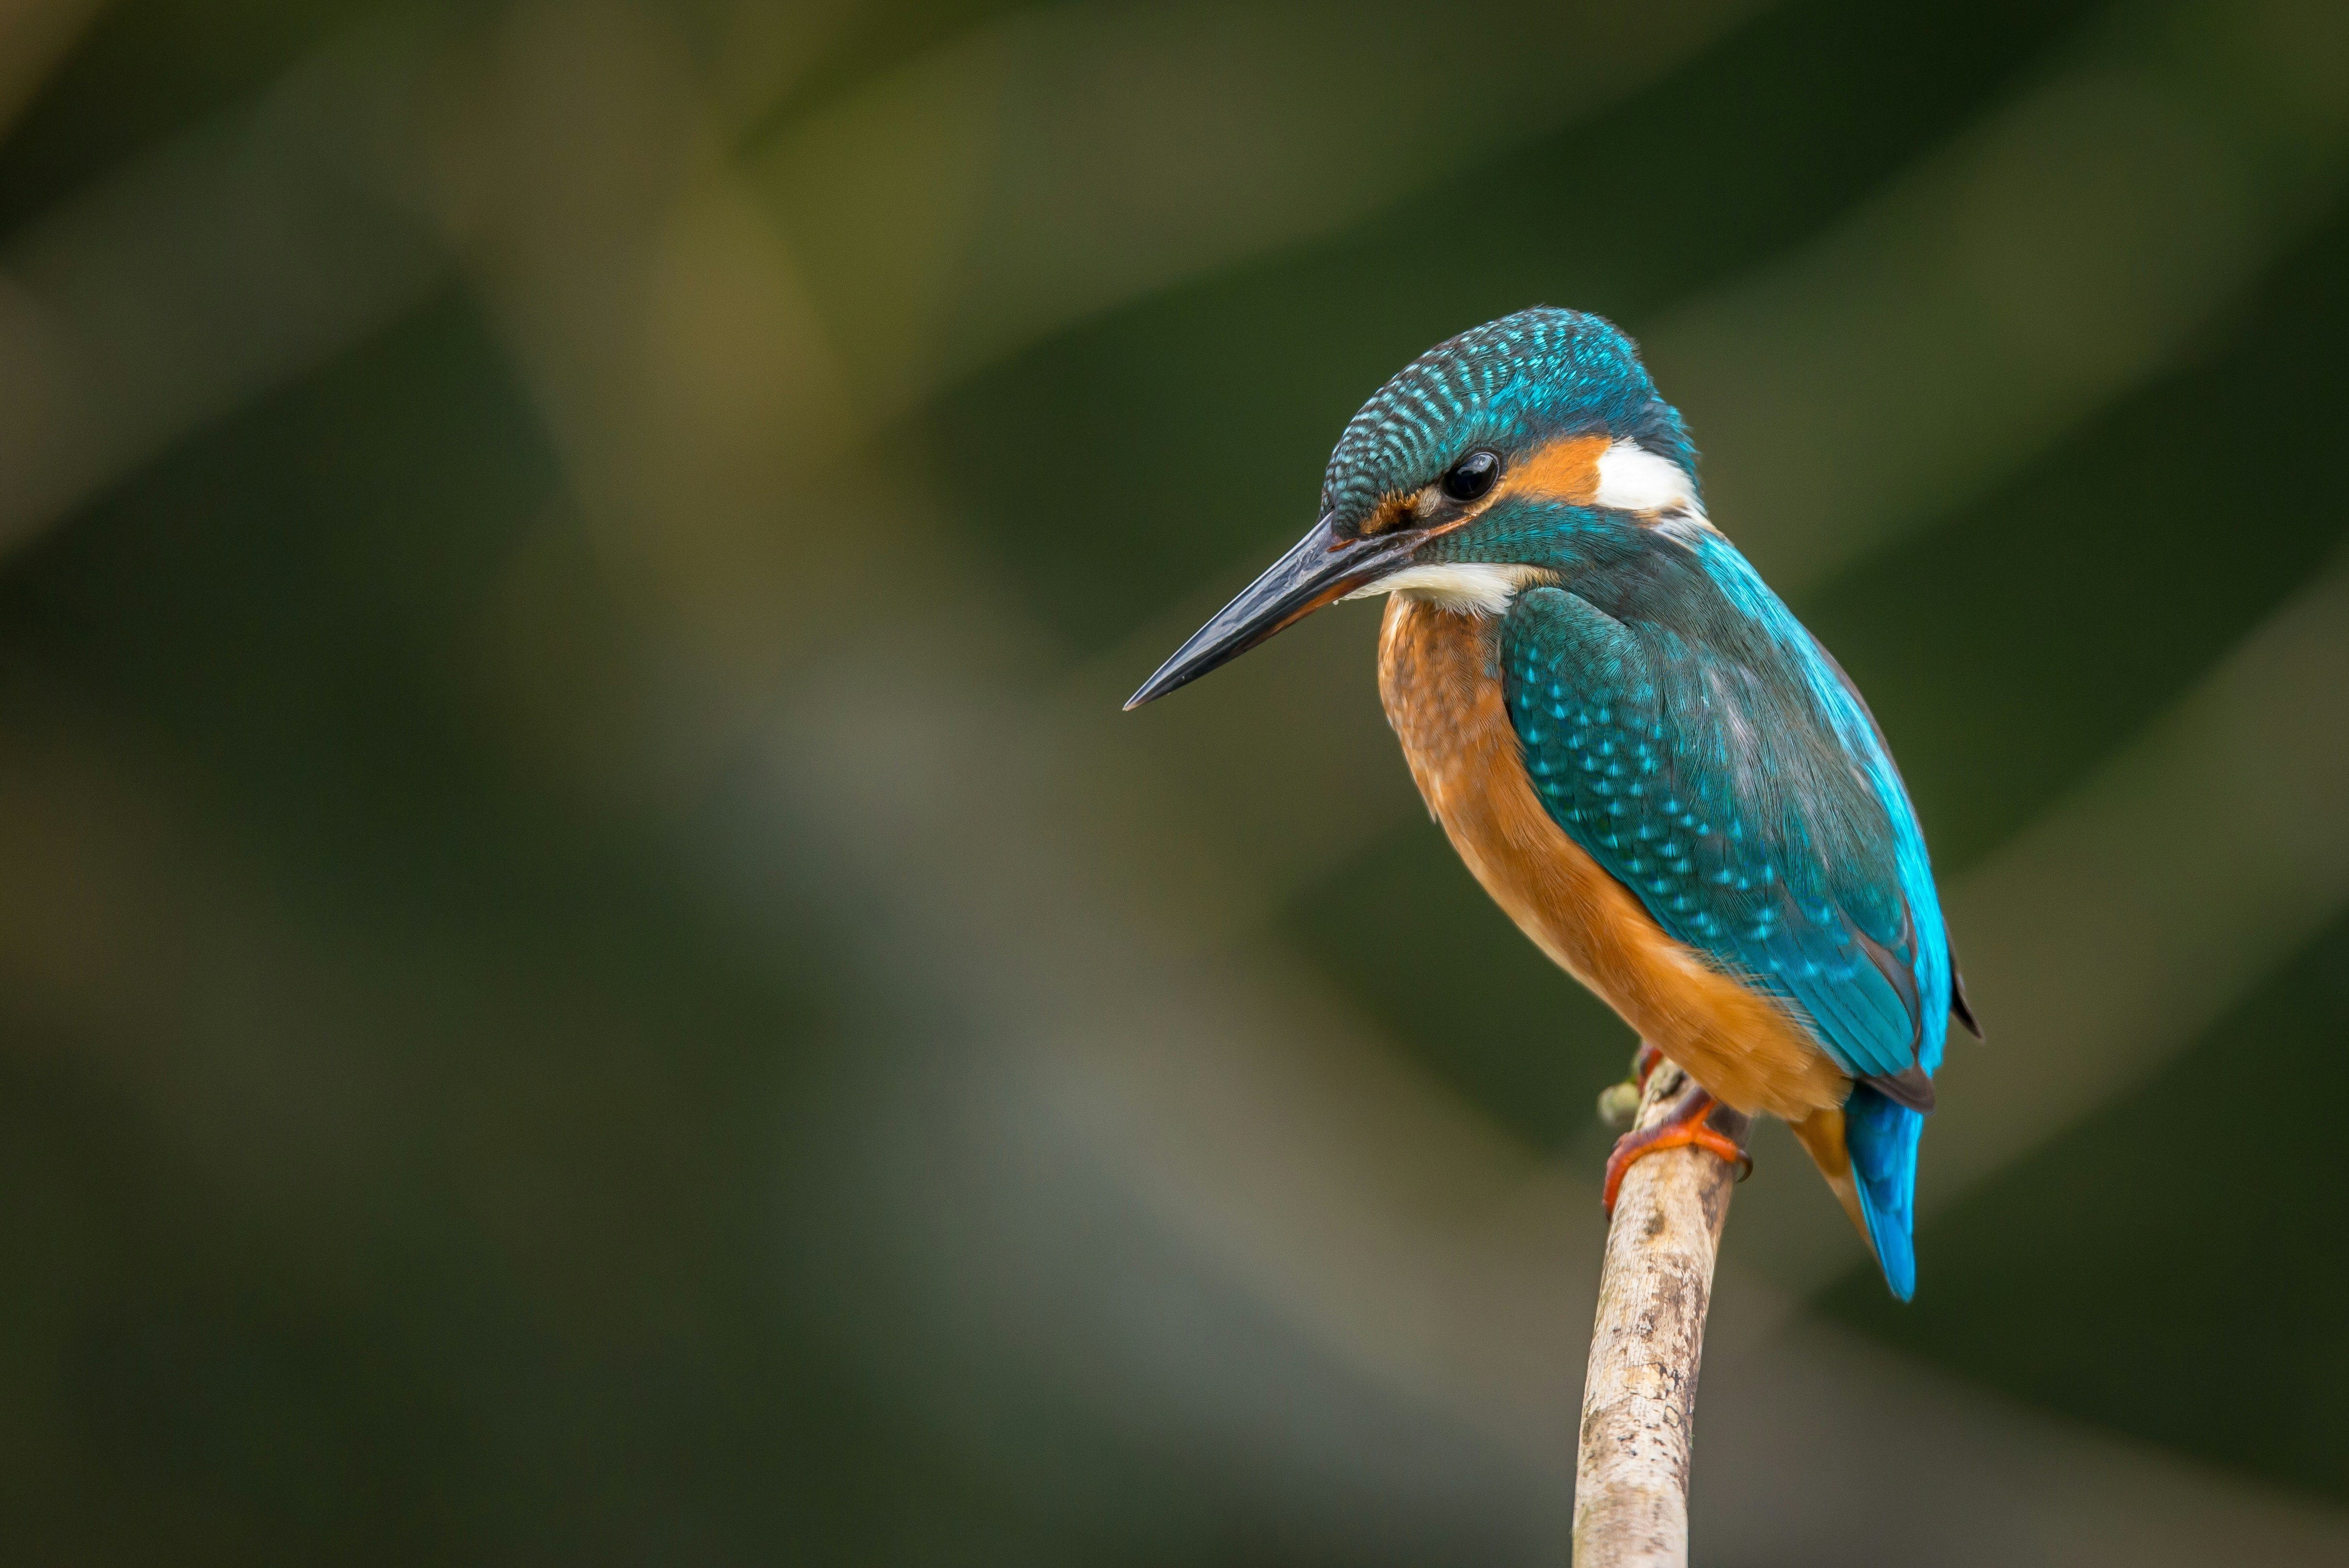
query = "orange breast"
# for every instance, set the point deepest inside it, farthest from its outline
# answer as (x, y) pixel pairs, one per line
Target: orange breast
(1439, 675)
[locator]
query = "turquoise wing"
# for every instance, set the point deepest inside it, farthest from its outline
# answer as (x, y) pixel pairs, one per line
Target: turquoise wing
(1719, 789)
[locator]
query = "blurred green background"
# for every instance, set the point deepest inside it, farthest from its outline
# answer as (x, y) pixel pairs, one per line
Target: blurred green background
(589, 972)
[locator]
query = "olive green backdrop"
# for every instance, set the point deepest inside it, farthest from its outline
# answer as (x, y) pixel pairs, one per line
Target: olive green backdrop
(588, 971)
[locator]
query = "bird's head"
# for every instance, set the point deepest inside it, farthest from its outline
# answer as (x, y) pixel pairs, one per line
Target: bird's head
(1529, 447)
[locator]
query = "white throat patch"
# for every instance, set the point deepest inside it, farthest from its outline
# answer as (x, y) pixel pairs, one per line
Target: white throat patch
(1475, 588)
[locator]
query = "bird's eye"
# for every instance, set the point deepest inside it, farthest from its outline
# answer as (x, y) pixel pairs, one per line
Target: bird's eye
(1472, 476)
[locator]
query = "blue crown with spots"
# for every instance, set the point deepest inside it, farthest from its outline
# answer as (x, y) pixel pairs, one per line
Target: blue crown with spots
(1511, 383)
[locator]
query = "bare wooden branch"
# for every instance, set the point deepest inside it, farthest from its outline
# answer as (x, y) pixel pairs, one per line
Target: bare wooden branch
(1638, 1397)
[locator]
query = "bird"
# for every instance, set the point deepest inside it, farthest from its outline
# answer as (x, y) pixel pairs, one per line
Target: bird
(1649, 763)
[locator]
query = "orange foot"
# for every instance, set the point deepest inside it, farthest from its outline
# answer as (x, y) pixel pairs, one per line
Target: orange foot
(1686, 1126)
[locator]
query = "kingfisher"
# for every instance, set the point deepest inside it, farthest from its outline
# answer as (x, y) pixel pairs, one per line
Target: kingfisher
(1665, 780)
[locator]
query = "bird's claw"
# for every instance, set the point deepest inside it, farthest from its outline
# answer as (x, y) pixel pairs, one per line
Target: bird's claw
(1688, 1126)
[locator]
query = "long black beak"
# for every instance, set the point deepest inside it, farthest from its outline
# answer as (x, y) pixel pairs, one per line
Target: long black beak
(1321, 567)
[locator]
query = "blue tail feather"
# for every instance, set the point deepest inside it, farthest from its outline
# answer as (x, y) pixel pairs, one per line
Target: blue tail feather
(1882, 1137)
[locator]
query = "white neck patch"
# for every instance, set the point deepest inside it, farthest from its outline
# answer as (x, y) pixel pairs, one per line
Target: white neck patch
(1634, 478)
(1469, 587)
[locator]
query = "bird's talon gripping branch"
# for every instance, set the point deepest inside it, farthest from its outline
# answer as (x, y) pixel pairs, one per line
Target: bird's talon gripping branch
(1688, 1126)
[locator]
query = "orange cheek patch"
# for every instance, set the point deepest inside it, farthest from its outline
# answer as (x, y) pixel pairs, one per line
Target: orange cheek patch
(1393, 514)
(1565, 470)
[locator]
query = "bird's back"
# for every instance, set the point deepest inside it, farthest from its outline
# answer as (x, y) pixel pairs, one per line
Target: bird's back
(1670, 786)
(1439, 678)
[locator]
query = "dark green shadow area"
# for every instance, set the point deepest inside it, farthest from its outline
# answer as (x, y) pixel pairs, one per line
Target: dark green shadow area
(1406, 933)
(2173, 1267)
(299, 600)
(147, 69)
(497, 1259)
(1121, 464)
(2019, 642)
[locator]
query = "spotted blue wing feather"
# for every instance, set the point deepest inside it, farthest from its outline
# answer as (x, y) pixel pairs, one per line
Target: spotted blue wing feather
(1714, 760)
(1754, 843)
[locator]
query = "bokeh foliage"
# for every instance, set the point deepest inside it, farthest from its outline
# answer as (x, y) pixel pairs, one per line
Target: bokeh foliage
(478, 1087)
